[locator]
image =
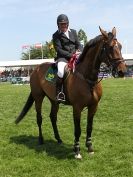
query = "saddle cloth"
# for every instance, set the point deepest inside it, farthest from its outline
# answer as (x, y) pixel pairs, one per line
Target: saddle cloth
(51, 73)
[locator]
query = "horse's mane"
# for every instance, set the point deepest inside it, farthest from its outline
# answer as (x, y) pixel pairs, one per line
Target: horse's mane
(88, 45)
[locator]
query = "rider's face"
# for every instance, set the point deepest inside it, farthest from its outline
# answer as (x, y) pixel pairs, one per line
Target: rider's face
(63, 27)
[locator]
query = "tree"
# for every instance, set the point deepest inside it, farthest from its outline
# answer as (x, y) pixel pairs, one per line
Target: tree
(32, 53)
(82, 37)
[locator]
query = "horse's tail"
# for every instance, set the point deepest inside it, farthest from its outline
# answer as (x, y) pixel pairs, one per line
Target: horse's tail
(25, 109)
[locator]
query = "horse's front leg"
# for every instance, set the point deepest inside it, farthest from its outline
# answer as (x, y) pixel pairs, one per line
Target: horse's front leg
(77, 132)
(90, 116)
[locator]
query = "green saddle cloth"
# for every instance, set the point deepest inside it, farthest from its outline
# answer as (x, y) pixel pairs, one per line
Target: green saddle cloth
(51, 74)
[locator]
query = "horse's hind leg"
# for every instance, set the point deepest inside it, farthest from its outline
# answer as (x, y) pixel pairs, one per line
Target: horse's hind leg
(38, 106)
(53, 117)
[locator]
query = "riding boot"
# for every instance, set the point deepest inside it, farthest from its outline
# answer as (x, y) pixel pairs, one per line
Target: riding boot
(60, 96)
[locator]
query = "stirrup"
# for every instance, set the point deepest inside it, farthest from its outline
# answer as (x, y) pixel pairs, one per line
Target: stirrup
(61, 97)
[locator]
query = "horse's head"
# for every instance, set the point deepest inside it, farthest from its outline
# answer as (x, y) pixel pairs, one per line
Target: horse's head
(111, 53)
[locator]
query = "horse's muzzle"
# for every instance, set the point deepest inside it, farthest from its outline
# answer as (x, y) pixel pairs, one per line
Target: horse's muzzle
(121, 74)
(116, 73)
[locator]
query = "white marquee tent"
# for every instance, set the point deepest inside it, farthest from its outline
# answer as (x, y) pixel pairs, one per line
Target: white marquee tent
(20, 63)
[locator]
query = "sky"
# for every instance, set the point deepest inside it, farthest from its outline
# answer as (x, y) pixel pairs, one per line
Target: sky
(34, 21)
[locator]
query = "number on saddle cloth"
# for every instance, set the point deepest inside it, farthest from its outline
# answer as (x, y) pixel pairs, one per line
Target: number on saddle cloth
(51, 74)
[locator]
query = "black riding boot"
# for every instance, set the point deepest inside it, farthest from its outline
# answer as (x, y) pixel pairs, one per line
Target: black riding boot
(60, 96)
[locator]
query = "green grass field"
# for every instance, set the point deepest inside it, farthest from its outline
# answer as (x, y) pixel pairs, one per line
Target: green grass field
(21, 156)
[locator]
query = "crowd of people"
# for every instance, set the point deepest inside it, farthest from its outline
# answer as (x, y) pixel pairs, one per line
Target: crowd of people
(21, 72)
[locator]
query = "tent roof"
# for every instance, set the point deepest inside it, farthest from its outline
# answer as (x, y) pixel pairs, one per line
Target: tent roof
(128, 58)
(19, 63)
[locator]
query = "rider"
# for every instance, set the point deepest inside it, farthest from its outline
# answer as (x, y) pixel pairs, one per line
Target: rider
(66, 44)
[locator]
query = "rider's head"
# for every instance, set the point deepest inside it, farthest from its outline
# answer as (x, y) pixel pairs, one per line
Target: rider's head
(62, 22)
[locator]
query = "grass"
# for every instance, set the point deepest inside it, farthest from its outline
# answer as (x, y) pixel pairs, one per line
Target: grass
(20, 156)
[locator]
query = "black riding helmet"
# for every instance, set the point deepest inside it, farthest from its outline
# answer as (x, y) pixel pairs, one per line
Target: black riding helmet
(62, 19)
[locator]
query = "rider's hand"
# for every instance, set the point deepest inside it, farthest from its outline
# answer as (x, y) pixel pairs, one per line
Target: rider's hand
(78, 52)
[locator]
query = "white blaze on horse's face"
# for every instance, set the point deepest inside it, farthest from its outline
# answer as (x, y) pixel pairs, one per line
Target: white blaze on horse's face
(117, 49)
(116, 45)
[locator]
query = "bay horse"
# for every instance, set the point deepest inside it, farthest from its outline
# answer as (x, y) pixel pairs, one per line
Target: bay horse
(82, 88)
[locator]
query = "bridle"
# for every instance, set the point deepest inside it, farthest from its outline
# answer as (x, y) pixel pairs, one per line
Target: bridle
(112, 63)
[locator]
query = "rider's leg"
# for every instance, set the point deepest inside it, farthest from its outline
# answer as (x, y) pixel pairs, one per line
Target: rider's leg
(59, 95)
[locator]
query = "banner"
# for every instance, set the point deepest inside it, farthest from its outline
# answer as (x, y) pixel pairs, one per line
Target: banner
(25, 46)
(38, 45)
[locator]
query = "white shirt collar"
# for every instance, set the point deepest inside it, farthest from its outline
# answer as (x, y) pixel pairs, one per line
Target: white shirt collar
(67, 33)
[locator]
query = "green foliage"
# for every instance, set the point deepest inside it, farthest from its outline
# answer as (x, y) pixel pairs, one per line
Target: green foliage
(20, 156)
(49, 50)
(82, 36)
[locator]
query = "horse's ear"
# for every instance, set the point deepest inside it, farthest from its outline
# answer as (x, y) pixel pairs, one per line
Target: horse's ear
(104, 33)
(114, 31)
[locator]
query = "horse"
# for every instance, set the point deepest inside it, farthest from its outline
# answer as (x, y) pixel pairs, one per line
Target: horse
(81, 87)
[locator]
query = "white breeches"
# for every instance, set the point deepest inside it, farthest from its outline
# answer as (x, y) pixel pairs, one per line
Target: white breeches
(61, 65)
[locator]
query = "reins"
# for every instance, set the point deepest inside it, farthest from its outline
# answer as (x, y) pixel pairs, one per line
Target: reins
(93, 83)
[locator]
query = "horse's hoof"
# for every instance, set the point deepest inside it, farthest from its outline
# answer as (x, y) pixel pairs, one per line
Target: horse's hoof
(90, 150)
(91, 153)
(78, 156)
(60, 141)
(41, 141)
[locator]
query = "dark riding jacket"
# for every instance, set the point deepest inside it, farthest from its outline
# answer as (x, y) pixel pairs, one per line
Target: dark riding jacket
(64, 46)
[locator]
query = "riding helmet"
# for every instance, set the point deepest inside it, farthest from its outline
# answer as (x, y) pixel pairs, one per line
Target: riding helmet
(62, 18)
